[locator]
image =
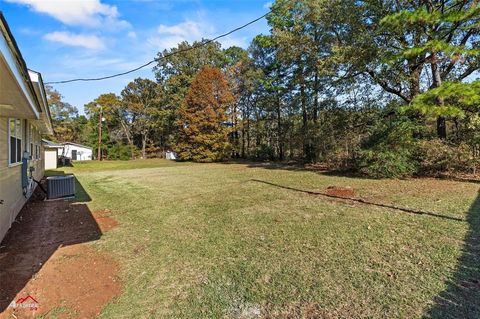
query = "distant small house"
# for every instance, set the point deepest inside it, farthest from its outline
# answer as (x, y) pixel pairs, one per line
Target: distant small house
(52, 151)
(170, 155)
(77, 152)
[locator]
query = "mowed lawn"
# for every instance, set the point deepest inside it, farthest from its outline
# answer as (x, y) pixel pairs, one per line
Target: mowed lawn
(211, 241)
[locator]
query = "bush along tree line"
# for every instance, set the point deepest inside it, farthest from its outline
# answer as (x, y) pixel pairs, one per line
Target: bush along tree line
(383, 88)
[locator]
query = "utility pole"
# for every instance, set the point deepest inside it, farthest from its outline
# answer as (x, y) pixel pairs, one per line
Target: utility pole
(99, 152)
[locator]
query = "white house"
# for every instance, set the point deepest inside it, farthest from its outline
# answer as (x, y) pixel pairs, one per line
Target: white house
(77, 152)
(24, 118)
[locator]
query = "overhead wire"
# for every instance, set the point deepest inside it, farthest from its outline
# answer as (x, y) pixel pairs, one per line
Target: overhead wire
(156, 60)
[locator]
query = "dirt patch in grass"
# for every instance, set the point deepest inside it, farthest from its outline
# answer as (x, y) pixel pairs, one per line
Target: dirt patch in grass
(77, 278)
(346, 192)
(45, 255)
(105, 220)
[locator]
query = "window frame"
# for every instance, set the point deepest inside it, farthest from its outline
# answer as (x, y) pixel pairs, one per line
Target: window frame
(31, 139)
(39, 145)
(18, 136)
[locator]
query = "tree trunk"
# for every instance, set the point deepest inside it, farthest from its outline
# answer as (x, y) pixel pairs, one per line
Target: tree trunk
(235, 131)
(127, 135)
(316, 86)
(127, 132)
(415, 73)
(258, 134)
(316, 110)
(279, 129)
(144, 146)
(441, 127)
(243, 137)
(248, 135)
(306, 148)
(437, 82)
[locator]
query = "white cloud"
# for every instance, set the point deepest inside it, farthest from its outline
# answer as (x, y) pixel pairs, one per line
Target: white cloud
(187, 29)
(169, 36)
(230, 41)
(90, 13)
(268, 5)
(132, 35)
(80, 40)
(30, 31)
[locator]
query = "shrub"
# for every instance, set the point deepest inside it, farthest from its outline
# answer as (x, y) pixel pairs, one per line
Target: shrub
(388, 152)
(265, 152)
(121, 152)
(341, 160)
(436, 156)
(386, 164)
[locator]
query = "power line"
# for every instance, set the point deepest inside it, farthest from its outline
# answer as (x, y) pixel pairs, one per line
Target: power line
(203, 43)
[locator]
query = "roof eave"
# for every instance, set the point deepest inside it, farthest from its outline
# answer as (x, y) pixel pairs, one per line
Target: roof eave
(36, 77)
(16, 63)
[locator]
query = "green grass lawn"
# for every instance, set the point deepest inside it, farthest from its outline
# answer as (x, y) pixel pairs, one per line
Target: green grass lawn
(207, 241)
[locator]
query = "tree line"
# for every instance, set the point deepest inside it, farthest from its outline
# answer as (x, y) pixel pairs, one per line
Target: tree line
(385, 88)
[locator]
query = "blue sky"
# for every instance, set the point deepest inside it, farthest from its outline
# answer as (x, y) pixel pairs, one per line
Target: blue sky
(66, 39)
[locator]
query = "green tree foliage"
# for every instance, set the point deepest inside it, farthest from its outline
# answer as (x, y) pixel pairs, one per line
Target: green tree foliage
(270, 117)
(175, 71)
(406, 47)
(389, 151)
(105, 106)
(204, 131)
(372, 86)
(457, 98)
(131, 121)
(64, 117)
(141, 100)
(59, 109)
(302, 43)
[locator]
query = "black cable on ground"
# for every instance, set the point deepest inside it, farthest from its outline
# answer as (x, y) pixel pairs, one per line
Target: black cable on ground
(40, 185)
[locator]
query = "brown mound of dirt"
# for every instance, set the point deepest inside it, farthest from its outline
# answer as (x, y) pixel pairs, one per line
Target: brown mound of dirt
(345, 192)
(46, 256)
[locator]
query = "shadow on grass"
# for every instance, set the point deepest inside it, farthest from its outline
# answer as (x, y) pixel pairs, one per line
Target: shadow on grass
(299, 167)
(40, 229)
(461, 299)
(362, 201)
(323, 170)
(288, 166)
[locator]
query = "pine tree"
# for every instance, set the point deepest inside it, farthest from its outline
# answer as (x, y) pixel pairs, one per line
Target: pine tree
(204, 131)
(406, 47)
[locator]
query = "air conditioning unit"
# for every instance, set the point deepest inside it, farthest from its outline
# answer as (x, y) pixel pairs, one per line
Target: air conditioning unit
(60, 187)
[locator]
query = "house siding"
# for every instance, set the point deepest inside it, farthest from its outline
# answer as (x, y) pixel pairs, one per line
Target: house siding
(11, 191)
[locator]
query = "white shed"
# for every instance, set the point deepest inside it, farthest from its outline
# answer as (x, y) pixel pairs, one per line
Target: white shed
(51, 150)
(77, 152)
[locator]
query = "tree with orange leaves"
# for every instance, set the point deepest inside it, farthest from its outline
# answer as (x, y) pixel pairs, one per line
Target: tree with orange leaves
(203, 127)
